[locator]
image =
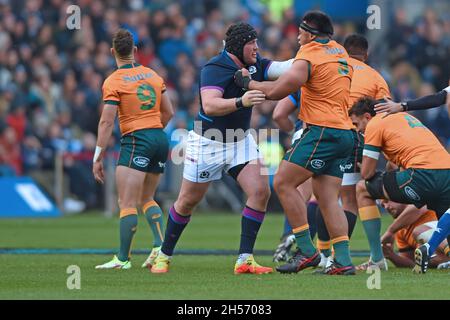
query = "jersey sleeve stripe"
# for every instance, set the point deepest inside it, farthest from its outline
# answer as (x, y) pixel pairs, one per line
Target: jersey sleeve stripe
(113, 102)
(212, 87)
(372, 148)
(371, 154)
(205, 117)
(293, 100)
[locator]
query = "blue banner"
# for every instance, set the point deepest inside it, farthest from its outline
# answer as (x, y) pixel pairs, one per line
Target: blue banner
(21, 197)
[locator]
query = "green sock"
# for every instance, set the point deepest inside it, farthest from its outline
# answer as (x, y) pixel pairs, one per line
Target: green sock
(373, 229)
(304, 242)
(155, 220)
(128, 226)
(342, 253)
(326, 252)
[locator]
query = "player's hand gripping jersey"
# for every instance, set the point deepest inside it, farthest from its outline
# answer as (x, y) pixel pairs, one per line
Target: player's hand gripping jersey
(218, 74)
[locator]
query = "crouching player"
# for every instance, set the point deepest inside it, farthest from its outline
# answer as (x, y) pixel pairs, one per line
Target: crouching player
(411, 228)
(138, 93)
(424, 178)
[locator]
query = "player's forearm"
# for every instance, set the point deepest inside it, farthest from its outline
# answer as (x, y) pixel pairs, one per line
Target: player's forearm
(410, 215)
(368, 167)
(284, 124)
(219, 106)
(105, 129)
(271, 89)
(401, 261)
(428, 102)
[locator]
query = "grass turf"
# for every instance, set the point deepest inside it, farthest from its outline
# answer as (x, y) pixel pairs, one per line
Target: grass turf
(191, 277)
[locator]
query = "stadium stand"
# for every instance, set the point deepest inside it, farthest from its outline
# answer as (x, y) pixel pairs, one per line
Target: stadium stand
(51, 77)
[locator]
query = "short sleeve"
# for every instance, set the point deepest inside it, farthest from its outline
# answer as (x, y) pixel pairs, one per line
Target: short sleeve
(295, 99)
(373, 139)
(265, 64)
(214, 77)
(374, 133)
(110, 93)
(305, 53)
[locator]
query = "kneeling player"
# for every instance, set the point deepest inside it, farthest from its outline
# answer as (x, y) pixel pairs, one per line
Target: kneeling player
(411, 228)
(424, 178)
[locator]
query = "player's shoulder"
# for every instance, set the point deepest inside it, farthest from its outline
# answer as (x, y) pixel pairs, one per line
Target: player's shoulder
(149, 71)
(111, 79)
(377, 122)
(221, 62)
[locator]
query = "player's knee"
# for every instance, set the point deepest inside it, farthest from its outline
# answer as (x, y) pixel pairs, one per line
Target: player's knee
(128, 203)
(260, 193)
(349, 199)
(186, 204)
(279, 184)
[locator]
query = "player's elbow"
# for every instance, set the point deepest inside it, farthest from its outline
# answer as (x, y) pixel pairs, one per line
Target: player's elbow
(208, 109)
(367, 172)
(278, 115)
(168, 113)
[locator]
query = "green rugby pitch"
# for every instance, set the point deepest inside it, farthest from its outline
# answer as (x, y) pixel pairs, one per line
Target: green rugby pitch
(44, 276)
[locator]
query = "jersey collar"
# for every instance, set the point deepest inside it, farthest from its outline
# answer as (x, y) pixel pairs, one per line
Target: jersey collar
(322, 41)
(129, 65)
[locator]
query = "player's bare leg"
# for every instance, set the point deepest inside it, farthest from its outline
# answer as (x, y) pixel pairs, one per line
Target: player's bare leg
(256, 186)
(287, 179)
(129, 186)
(282, 251)
(153, 214)
(326, 188)
(191, 193)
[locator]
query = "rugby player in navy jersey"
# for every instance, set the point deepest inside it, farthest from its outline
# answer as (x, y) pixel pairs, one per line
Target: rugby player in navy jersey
(220, 142)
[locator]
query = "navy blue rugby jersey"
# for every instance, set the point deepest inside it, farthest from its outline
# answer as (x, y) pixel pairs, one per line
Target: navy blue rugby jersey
(218, 73)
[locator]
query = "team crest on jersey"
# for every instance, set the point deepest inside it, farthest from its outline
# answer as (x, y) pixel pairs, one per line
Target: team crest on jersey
(141, 161)
(252, 70)
(411, 193)
(204, 175)
(317, 164)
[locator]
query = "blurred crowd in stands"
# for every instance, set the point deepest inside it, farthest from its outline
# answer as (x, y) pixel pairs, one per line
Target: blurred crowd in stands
(51, 77)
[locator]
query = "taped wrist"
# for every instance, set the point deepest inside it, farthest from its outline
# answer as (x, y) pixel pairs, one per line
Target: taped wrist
(239, 103)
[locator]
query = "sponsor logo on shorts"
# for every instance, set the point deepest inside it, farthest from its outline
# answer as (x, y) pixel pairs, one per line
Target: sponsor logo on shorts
(411, 193)
(204, 175)
(141, 161)
(317, 164)
(348, 166)
(161, 164)
(252, 70)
